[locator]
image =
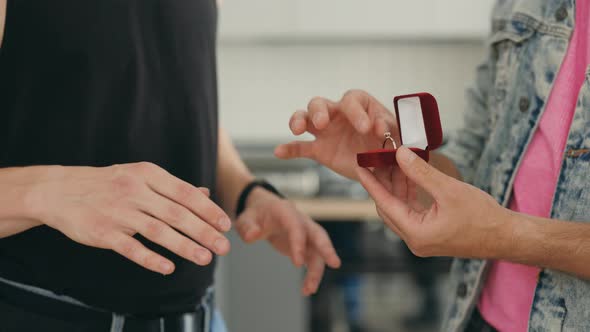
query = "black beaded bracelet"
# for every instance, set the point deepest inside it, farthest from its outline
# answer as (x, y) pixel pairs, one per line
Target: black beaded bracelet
(248, 189)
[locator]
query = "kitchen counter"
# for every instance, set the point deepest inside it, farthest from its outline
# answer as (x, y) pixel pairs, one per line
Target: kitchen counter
(338, 209)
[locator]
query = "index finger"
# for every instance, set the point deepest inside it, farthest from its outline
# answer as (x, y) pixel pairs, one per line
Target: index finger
(397, 211)
(187, 195)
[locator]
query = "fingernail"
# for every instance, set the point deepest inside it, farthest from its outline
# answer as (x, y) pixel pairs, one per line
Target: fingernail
(407, 156)
(202, 256)
(166, 267)
(299, 258)
(362, 125)
(278, 150)
(310, 287)
(224, 223)
(298, 124)
(317, 118)
(220, 245)
(251, 231)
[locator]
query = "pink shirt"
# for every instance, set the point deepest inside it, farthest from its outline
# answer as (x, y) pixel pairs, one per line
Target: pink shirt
(508, 293)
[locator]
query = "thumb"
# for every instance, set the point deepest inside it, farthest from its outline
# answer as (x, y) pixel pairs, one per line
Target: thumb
(248, 227)
(421, 173)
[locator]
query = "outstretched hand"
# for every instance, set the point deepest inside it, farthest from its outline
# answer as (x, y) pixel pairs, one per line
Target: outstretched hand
(291, 233)
(354, 124)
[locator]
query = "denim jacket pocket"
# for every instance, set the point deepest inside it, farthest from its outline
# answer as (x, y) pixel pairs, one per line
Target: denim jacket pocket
(506, 42)
(549, 312)
(552, 319)
(573, 192)
(507, 45)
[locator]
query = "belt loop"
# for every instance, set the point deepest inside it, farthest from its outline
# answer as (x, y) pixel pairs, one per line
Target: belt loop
(206, 303)
(117, 323)
(207, 318)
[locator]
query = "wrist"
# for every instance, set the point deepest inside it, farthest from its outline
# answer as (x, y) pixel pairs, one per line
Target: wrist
(495, 235)
(22, 193)
(258, 194)
(38, 191)
(513, 233)
(253, 192)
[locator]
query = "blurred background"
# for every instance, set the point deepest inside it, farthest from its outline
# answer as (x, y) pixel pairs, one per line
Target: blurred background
(274, 56)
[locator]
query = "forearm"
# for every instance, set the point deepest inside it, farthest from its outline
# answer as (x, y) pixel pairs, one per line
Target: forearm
(11, 227)
(524, 239)
(232, 174)
(548, 243)
(2, 19)
(16, 211)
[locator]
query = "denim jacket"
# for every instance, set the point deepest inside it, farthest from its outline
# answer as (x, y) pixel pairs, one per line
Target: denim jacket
(528, 42)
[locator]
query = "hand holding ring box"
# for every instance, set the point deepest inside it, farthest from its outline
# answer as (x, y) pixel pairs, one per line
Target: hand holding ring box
(419, 126)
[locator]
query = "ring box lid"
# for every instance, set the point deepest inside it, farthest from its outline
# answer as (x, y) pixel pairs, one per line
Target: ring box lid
(418, 121)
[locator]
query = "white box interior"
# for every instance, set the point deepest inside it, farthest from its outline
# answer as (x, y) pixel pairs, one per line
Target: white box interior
(411, 122)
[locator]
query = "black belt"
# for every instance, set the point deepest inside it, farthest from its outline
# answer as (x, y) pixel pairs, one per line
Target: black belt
(98, 320)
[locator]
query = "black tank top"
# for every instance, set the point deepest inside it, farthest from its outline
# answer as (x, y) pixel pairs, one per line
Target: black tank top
(102, 82)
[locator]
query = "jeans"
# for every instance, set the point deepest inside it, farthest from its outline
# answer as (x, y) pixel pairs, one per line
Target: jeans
(217, 322)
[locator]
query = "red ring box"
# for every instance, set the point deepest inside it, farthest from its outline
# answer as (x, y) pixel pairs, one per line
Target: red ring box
(419, 126)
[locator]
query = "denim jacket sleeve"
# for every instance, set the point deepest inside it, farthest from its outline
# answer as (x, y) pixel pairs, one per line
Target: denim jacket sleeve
(465, 146)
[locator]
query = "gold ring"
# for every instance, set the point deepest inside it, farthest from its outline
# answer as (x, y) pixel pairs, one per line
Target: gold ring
(389, 138)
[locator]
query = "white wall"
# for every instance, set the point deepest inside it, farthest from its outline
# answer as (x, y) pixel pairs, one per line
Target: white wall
(275, 55)
(261, 85)
(342, 19)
